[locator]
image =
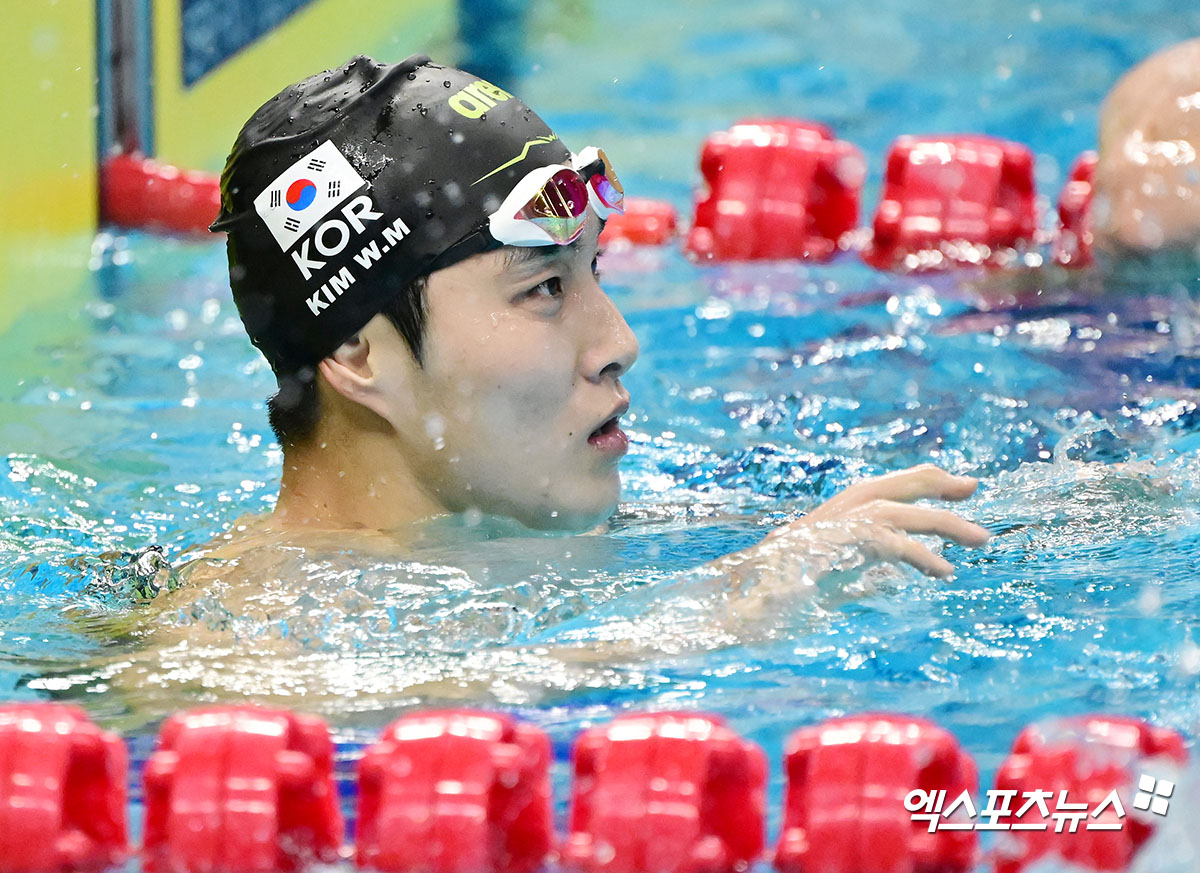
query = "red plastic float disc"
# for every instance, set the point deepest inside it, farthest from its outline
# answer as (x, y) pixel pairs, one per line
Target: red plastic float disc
(777, 188)
(661, 792)
(1073, 245)
(644, 223)
(848, 784)
(240, 788)
(1078, 763)
(953, 200)
(62, 791)
(140, 193)
(458, 791)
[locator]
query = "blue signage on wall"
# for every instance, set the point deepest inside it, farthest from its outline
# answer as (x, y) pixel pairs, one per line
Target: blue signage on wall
(215, 30)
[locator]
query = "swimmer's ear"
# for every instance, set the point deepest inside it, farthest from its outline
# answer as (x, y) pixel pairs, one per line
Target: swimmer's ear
(372, 369)
(348, 369)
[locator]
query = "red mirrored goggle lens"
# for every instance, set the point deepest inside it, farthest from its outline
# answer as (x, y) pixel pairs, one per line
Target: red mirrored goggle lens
(563, 196)
(610, 195)
(559, 207)
(603, 179)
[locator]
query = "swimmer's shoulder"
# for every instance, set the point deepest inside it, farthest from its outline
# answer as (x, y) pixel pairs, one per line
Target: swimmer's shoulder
(247, 532)
(255, 545)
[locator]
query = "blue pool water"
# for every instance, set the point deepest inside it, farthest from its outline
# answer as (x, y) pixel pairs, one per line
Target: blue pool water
(135, 417)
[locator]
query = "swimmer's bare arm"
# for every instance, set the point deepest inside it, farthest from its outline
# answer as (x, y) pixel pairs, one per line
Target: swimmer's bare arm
(871, 522)
(736, 598)
(790, 576)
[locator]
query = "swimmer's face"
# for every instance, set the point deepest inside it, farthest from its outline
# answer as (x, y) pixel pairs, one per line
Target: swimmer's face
(512, 410)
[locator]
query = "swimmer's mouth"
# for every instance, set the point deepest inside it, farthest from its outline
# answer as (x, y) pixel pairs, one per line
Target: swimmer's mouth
(612, 424)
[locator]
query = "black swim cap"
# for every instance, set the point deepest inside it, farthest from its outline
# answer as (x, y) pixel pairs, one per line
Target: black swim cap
(347, 186)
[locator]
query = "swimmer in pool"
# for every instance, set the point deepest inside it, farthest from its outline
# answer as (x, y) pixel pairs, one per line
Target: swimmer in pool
(414, 251)
(1145, 213)
(1147, 180)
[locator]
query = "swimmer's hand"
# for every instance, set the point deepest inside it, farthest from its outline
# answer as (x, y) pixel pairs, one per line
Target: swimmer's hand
(871, 522)
(880, 515)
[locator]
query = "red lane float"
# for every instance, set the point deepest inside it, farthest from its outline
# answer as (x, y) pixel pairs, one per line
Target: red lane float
(953, 200)
(240, 788)
(1079, 764)
(62, 791)
(456, 792)
(777, 188)
(665, 792)
(140, 193)
(250, 789)
(847, 805)
(644, 223)
(1073, 244)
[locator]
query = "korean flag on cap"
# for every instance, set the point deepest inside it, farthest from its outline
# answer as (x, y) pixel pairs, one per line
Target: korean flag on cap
(306, 192)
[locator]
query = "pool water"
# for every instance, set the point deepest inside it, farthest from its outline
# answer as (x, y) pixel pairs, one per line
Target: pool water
(135, 417)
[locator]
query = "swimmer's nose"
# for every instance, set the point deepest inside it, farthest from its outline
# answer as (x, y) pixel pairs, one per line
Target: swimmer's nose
(612, 347)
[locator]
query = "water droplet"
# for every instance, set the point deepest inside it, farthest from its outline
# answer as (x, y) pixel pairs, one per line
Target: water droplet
(446, 83)
(435, 429)
(412, 77)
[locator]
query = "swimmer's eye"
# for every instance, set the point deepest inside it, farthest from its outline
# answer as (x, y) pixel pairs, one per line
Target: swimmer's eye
(596, 263)
(550, 289)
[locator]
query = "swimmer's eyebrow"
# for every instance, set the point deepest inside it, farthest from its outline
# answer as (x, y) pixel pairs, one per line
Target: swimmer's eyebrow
(529, 259)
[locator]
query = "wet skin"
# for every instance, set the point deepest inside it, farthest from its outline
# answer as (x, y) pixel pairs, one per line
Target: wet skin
(512, 409)
(1148, 176)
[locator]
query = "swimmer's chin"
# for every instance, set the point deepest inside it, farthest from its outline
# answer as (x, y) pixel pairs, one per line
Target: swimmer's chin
(560, 519)
(569, 522)
(475, 524)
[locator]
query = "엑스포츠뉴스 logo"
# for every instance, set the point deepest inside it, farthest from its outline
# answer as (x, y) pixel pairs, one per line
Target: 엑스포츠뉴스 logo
(306, 192)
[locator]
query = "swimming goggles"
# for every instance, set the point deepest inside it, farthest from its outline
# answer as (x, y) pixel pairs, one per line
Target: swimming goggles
(549, 205)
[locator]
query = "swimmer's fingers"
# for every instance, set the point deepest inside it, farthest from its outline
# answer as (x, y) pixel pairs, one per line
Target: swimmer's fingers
(888, 544)
(923, 482)
(924, 520)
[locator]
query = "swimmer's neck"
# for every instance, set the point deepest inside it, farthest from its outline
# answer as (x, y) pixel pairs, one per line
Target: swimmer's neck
(361, 482)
